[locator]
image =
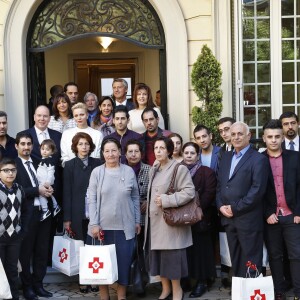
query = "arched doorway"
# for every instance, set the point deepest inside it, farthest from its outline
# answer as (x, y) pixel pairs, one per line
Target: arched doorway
(16, 80)
(58, 22)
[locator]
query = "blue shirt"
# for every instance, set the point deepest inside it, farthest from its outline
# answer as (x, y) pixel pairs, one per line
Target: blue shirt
(236, 158)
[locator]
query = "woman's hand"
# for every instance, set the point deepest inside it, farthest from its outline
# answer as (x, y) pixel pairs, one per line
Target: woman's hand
(158, 201)
(137, 228)
(67, 225)
(96, 232)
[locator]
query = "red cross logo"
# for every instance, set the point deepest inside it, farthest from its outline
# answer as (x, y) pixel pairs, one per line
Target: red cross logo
(96, 265)
(63, 255)
(258, 296)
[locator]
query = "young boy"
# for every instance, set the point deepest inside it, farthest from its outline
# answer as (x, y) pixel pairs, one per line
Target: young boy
(14, 216)
(45, 174)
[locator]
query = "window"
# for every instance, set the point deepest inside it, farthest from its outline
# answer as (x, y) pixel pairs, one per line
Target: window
(269, 60)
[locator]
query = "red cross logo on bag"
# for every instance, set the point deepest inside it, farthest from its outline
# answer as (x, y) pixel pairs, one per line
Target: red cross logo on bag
(258, 296)
(96, 265)
(63, 255)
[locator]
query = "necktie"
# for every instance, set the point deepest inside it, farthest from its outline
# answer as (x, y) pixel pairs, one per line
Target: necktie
(292, 145)
(32, 173)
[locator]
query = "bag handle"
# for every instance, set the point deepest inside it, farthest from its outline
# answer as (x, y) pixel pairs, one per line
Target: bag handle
(172, 182)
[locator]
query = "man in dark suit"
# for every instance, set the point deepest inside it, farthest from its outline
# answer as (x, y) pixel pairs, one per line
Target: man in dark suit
(35, 244)
(40, 132)
(290, 126)
(282, 209)
(120, 88)
(242, 181)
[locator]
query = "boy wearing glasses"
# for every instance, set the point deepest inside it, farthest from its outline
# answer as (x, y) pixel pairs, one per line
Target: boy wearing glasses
(13, 216)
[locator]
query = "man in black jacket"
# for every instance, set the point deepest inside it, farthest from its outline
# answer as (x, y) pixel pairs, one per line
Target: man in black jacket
(282, 209)
(35, 244)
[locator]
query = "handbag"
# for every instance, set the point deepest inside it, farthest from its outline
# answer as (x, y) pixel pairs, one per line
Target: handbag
(252, 288)
(138, 274)
(187, 214)
(98, 265)
(65, 255)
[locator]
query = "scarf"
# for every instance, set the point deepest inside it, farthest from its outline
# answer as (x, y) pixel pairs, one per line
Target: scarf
(193, 168)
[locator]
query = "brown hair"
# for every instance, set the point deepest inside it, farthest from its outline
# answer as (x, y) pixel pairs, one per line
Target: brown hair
(56, 100)
(50, 143)
(82, 135)
(143, 86)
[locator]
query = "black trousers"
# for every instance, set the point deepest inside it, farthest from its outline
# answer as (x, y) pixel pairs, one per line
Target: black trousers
(9, 254)
(287, 232)
(35, 248)
(244, 246)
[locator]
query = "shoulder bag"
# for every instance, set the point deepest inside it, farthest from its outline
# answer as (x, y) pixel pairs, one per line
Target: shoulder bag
(187, 214)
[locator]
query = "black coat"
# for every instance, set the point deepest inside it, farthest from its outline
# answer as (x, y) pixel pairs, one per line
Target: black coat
(75, 184)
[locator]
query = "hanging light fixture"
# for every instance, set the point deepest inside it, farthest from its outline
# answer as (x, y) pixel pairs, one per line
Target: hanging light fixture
(105, 42)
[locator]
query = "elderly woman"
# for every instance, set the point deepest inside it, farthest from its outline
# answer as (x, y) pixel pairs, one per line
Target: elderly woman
(103, 121)
(177, 141)
(200, 254)
(167, 244)
(77, 173)
(142, 98)
(62, 118)
(80, 115)
(114, 207)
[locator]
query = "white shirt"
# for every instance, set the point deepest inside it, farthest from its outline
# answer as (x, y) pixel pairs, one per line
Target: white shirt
(42, 135)
(122, 103)
(36, 199)
(296, 143)
(135, 121)
(66, 142)
(59, 125)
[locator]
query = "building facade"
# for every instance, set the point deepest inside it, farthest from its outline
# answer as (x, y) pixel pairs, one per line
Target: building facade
(256, 42)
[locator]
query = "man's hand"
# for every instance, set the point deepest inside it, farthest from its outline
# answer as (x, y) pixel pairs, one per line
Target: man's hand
(226, 211)
(296, 219)
(272, 219)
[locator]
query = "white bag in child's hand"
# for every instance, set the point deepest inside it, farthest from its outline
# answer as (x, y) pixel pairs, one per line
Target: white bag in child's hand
(4, 285)
(65, 255)
(98, 265)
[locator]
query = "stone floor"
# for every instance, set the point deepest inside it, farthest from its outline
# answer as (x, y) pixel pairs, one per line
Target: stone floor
(69, 290)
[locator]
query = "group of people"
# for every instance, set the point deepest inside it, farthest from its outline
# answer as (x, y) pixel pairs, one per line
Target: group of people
(106, 166)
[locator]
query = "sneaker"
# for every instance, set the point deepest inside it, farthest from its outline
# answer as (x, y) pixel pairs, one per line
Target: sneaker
(45, 215)
(56, 210)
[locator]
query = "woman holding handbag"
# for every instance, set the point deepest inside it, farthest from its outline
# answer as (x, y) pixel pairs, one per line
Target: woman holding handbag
(77, 173)
(167, 244)
(200, 254)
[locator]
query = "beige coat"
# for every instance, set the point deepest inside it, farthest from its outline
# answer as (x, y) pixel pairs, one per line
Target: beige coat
(163, 236)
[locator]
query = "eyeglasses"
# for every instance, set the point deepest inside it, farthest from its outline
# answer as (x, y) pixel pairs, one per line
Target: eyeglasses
(7, 171)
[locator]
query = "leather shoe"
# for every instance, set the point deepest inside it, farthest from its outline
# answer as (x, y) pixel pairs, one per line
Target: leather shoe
(198, 291)
(29, 294)
(280, 296)
(169, 297)
(40, 291)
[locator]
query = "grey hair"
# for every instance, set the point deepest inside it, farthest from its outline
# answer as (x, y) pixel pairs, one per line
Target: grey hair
(88, 94)
(125, 83)
(241, 124)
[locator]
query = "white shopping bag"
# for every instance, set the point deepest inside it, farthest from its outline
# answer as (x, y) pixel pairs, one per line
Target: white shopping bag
(224, 250)
(252, 288)
(65, 255)
(98, 265)
(4, 285)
